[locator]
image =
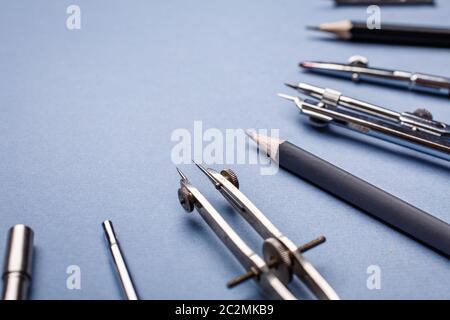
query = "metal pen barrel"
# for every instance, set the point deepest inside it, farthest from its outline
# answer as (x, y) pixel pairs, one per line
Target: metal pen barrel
(339, 99)
(358, 70)
(430, 83)
(18, 263)
(119, 261)
(410, 130)
(431, 147)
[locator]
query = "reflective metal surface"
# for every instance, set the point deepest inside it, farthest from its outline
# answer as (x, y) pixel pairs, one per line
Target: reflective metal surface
(270, 284)
(119, 261)
(17, 270)
(277, 246)
(358, 69)
(415, 130)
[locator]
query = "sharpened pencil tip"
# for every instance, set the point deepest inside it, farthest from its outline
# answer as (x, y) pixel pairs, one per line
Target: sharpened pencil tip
(250, 133)
(314, 28)
(268, 145)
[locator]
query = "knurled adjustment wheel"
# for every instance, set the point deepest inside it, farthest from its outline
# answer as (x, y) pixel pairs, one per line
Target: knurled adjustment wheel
(278, 259)
(424, 114)
(230, 176)
(186, 199)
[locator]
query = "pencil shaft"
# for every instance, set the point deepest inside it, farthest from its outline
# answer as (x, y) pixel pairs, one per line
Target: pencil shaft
(401, 34)
(380, 204)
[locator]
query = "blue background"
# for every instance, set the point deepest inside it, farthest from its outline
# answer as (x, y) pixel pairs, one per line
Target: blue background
(85, 132)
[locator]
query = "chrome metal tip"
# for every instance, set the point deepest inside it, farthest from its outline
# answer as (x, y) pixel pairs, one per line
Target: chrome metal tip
(110, 235)
(182, 175)
(287, 97)
(201, 167)
(205, 171)
(293, 86)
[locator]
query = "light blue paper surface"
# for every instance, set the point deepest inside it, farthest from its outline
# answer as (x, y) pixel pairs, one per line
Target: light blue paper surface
(85, 131)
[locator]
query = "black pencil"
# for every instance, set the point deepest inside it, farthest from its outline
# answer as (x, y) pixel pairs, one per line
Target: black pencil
(418, 224)
(388, 33)
(382, 2)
